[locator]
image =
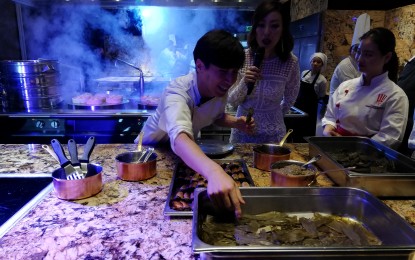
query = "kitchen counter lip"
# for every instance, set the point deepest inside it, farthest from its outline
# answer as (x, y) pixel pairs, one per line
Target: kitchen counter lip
(22, 212)
(132, 212)
(67, 113)
(105, 113)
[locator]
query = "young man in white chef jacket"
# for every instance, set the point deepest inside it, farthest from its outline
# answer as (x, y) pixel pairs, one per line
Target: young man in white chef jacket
(196, 100)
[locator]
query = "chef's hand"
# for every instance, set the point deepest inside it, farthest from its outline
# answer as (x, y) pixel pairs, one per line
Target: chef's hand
(224, 192)
(244, 126)
(252, 74)
(330, 130)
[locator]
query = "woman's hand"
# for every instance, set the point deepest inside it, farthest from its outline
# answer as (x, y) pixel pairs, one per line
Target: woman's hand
(252, 74)
(246, 126)
(330, 130)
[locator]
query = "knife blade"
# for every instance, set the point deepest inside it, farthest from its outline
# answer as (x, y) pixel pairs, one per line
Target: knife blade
(89, 146)
(63, 160)
(73, 152)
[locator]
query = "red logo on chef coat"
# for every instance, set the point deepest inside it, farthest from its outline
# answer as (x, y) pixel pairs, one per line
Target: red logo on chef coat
(380, 99)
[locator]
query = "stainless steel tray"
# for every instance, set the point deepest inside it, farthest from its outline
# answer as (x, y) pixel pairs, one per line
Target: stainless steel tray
(399, 182)
(178, 181)
(397, 236)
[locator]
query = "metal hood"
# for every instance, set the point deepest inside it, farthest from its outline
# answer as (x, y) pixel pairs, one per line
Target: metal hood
(239, 4)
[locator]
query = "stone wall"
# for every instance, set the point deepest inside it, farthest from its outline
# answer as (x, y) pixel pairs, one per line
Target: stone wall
(338, 27)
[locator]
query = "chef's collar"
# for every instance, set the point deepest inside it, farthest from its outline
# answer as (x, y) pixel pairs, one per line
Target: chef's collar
(377, 80)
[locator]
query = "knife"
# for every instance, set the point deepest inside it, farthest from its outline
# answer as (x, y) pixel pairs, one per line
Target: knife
(89, 146)
(65, 163)
(73, 152)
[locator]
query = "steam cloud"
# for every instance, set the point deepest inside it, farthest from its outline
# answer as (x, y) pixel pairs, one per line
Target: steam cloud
(85, 39)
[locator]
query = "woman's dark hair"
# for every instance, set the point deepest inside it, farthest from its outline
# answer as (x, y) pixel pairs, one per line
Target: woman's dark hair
(385, 40)
(220, 48)
(286, 44)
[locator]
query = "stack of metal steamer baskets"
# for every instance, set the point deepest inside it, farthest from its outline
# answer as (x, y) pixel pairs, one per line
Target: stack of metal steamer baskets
(30, 85)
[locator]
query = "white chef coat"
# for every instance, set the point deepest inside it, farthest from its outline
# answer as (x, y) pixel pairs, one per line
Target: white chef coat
(345, 70)
(179, 111)
(379, 110)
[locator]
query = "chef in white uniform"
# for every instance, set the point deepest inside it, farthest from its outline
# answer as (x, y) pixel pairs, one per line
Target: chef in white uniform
(347, 68)
(197, 100)
(371, 105)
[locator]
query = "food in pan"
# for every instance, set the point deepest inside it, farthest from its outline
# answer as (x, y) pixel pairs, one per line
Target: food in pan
(187, 180)
(364, 163)
(150, 100)
(277, 228)
(97, 99)
(114, 99)
(81, 99)
(294, 169)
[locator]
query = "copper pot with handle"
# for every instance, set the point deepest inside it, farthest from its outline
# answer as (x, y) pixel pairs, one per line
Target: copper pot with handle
(267, 154)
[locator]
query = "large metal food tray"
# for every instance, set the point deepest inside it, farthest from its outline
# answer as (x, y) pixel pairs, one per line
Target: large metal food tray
(400, 183)
(397, 236)
(176, 184)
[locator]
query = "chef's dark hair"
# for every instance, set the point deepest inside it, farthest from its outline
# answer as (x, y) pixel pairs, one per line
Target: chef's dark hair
(385, 40)
(220, 48)
(286, 44)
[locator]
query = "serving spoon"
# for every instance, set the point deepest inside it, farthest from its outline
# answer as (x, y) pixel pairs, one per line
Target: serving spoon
(312, 160)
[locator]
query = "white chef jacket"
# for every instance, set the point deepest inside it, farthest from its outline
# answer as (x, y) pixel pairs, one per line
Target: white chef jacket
(379, 110)
(345, 70)
(179, 111)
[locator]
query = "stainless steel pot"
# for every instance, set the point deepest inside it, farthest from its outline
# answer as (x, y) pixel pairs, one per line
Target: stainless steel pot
(31, 84)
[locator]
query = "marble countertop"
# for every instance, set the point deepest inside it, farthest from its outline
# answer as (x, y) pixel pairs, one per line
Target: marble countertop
(125, 220)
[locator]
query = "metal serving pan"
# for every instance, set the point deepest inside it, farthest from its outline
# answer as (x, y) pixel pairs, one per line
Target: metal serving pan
(397, 236)
(398, 182)
(180, 179)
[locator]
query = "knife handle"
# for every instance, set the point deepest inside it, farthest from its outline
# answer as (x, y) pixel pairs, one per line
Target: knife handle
(58, 149)
(73, 152)
(89, 146)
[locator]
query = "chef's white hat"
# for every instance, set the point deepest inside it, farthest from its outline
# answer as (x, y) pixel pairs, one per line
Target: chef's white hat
(323, 58)
(362, 26)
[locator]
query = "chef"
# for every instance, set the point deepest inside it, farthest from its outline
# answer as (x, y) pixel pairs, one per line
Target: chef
(371, 105)
(196, 100)
(347, 68)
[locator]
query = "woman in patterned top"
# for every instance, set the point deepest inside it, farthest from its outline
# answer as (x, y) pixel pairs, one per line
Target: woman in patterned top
(277, 79)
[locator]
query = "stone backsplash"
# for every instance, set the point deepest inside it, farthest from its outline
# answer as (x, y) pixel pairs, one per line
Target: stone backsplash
(338, 27)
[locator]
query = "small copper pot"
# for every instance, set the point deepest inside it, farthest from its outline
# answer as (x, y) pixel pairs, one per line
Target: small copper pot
(279, 179)
(129, 169)
(267, 154)
(78, 189)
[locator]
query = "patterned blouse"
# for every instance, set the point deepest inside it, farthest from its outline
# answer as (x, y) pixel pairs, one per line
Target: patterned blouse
(272, 97)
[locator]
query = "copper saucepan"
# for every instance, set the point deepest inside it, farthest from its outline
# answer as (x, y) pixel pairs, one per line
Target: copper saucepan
(130, 168)
(78, 188)
(266, 154)
(280, 178)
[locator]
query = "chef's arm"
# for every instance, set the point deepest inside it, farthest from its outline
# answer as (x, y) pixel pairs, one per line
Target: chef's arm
(222, 189)
(236, 122)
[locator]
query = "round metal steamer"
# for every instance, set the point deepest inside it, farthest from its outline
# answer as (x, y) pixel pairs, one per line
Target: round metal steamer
(280, 179)
(31, 84)
(128, 169)
(78, 189)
